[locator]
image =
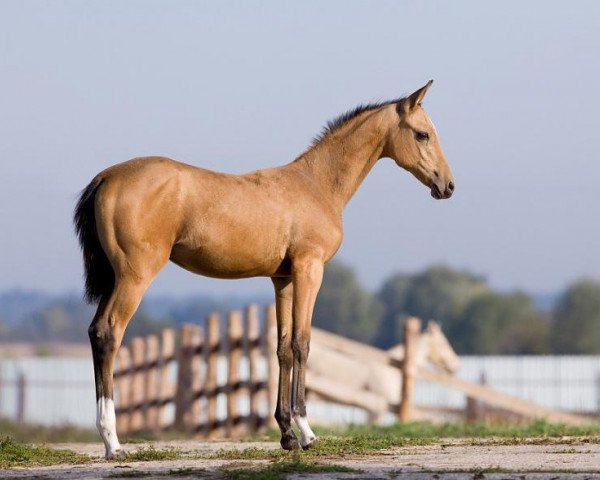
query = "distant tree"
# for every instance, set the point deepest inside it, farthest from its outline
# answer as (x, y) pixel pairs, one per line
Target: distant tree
(493, 323)
(576, 326)
(344, 307)
(439, 293)
(143, 324)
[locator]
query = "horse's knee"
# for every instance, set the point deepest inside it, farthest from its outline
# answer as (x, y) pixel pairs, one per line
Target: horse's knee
(102, 338)
(284, 355)
(301, 349)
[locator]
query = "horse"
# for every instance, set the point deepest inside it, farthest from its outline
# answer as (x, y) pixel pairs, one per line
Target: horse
(284, 223)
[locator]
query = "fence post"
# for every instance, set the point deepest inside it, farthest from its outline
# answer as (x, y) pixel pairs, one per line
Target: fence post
(272, 363)
(234, 344)
(187, 411)
(123, 384)
(212, 346)
(475, 409)
(166, 391)
(252, 343)
(412, 329)
(151, 383)
(21, 397)
(137, 384)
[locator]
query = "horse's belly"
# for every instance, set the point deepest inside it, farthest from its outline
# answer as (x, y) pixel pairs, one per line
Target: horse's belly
(223, 260)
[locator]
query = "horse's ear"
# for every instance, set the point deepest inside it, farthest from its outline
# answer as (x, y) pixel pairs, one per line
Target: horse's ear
(414, 100)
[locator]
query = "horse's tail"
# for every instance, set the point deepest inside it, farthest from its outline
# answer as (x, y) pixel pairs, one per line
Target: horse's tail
(99, 275)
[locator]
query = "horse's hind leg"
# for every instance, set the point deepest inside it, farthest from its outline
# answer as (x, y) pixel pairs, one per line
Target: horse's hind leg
(106, 333)
(283, 303)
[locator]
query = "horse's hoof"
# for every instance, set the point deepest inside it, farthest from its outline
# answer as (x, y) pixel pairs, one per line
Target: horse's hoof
(290, 443)
(310, 442)
(116, 455)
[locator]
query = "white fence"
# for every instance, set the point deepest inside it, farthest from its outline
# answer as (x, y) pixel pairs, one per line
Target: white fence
(61, 390)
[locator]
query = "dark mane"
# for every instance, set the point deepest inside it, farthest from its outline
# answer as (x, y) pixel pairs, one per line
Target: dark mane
(349, 115)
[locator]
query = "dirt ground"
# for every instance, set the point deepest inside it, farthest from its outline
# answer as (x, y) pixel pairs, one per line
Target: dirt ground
(450, 460)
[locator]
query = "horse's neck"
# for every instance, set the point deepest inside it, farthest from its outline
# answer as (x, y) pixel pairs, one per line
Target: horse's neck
(341, 161)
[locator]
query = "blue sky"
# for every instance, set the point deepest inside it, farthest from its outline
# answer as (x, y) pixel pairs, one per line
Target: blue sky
(235, 86)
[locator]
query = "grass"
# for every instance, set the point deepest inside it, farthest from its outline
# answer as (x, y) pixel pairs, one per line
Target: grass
(280, 469)
(149, 454)
(369, 440)
(17, 454)
(333, 443)
(426, 430)
(42, 434)
(569, 451)
(128, 474)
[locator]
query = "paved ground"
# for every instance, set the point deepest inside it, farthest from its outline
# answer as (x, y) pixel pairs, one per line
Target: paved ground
(454, 460)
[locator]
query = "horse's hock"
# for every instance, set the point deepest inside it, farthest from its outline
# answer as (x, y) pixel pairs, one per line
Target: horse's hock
(220, 379)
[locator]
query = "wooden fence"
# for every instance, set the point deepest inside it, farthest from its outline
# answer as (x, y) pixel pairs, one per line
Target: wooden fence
(213, 382)
(173, 380)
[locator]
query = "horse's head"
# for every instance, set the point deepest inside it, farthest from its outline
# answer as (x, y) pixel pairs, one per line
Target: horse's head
(414, 145)
(438, 350)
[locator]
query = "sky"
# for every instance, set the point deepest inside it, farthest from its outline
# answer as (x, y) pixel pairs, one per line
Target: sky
(237, 86)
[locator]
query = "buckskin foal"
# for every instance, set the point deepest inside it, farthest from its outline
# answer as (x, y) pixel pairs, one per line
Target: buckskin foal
(284, 223)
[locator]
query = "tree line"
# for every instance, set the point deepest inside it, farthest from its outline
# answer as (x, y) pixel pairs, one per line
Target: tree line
(475, 318)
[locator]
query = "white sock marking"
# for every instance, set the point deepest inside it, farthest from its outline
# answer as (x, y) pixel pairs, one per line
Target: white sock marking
(106, 421)
(307, 435)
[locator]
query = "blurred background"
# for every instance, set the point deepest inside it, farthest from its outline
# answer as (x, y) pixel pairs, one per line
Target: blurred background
(509, 267)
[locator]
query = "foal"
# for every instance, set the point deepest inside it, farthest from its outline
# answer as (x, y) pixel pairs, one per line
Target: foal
(284, 223)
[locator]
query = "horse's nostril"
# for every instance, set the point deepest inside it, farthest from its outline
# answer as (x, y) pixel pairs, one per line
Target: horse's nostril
(451, 186)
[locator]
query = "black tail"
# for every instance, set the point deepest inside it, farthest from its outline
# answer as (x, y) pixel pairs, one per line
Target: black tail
(99, 275)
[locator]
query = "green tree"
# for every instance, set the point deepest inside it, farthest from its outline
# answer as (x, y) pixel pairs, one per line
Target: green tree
(143, 324)
(576, 327)
(344, 307)
(439, 293)
(493, 323)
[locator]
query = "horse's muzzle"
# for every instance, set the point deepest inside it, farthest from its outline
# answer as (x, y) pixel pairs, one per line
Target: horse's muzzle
(437, 193)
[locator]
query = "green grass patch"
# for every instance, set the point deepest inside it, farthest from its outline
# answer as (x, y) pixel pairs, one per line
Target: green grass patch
(426, 430)
(17, 454)
(280, 469)
(572, 451)
(149, 454)
(368, 440)
(42, 434)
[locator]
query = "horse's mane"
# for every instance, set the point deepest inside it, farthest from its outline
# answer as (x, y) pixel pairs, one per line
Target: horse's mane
(340, 120)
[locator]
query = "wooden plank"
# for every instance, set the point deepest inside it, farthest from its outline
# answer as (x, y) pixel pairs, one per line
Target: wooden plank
(272, 364)
(192, 418)
(501, 400)
(137, 347)
(211, 355)
(151, 393)
(350, 347)
(252, 350)
(184, 377)
(338, 392)
(166, 387)
(234, 345)
(123, 385)
(412, 329)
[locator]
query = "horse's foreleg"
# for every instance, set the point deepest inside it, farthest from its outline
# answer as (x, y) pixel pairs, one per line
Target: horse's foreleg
(307, 277)
(106, 333)
(283, 304)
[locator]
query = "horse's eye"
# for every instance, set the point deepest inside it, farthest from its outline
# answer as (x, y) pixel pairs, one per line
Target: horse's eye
(422, 136)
